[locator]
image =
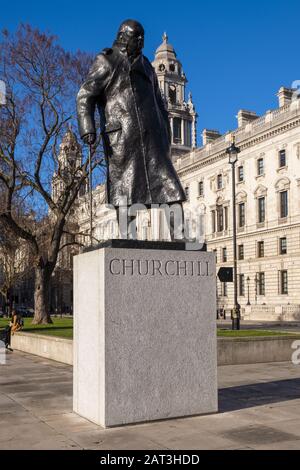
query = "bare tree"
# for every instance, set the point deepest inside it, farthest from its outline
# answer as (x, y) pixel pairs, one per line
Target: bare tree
(15, 263)
(41, 84)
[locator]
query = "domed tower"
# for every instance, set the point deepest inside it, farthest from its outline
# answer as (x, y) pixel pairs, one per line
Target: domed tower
(69, 158)
(182, 114)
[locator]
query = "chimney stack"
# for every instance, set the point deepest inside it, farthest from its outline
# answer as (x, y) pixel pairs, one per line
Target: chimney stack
(209, 136)
(244, 117)
(285, 96)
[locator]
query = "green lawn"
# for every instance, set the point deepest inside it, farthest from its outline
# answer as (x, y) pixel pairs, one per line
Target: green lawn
(249, 333)
(62, 327)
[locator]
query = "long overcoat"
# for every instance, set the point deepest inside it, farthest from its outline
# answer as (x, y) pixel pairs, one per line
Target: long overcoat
(135, 129)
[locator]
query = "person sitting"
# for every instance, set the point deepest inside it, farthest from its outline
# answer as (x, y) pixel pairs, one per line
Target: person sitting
(5, 335)
(16, 323)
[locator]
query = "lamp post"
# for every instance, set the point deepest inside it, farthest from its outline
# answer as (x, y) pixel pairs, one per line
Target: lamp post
(248, 286)
(232, 153)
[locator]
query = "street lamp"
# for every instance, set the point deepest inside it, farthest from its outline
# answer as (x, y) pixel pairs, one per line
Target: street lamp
(248, 285)
(233, 152)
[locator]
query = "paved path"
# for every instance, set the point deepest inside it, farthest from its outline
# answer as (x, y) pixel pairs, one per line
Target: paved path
(259, 409)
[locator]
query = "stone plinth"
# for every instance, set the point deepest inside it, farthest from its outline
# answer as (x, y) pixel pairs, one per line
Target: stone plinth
(144, 335)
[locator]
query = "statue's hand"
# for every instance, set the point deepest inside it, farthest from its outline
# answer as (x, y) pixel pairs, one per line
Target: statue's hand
(89, 139)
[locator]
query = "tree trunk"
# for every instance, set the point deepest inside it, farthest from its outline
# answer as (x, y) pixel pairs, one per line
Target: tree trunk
(8, 301)
(7, 305)
(42, 296)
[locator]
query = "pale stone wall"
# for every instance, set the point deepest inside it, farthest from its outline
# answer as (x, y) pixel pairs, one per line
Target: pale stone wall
(262, 141)
(50, 347)
(230, 351)
(263, 138)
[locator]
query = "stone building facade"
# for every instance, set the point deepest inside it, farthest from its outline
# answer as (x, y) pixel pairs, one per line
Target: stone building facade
(267, 204)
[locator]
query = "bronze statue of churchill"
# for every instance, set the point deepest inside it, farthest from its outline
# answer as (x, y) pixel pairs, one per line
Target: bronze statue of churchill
(134, 122)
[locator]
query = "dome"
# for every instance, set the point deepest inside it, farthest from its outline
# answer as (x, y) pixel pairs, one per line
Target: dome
(165, 48)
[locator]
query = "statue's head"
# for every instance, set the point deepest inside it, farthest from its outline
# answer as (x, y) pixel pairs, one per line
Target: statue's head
(131, 35)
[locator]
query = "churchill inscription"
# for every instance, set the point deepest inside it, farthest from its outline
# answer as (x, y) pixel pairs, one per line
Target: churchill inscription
(155, 267)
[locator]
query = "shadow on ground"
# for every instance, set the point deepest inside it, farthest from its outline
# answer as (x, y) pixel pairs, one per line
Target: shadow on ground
(265, 393)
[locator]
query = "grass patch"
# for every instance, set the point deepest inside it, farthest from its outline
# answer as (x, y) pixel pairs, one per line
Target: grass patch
(250, 333)
(61, 327)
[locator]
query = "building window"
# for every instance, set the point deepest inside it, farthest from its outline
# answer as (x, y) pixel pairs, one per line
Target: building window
(187, 133)
(260, 249)
(283, 282)
(240, 174)
(172, 67)
(220, 181)
(224, 288)
(260, 167)
(220, 219)
(187, 193)
(225, 217)
(213, 221)
(282, 158)
(241, 207)
(261, 210)
(241, 285)
(282, 246)
(241, 252)
(201, 188)
(177, 130)
(224, 254)
(283, 204)
(261, 283)
(216, 254)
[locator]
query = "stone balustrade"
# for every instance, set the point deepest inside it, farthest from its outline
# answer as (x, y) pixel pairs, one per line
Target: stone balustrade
(250, 130)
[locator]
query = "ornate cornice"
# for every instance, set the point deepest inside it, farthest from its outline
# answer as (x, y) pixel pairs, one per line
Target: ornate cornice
(279, 228)
(244, 145)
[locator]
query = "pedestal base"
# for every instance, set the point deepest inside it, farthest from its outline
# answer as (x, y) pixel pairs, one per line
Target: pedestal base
(144, 335)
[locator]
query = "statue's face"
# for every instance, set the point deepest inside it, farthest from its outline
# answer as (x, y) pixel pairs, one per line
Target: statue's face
(135, 43)
(131, 33)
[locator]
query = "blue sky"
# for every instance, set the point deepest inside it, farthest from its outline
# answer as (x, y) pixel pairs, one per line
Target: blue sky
(236, 54)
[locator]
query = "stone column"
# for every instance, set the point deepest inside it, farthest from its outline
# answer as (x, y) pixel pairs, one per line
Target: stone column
(182, 132)
(194, 132)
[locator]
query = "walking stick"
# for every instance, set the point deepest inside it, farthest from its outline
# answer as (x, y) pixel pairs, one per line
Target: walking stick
(91, 194)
